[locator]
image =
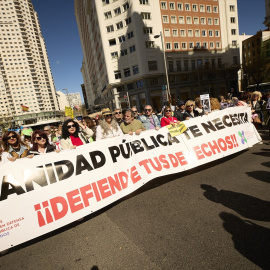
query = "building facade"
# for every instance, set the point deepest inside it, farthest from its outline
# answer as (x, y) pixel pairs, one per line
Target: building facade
(124, 44)
(25, 73)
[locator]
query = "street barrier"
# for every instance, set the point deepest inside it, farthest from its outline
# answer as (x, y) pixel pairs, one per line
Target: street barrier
(50, 191)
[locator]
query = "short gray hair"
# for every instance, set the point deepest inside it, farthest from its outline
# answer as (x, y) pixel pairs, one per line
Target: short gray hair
(47, 127)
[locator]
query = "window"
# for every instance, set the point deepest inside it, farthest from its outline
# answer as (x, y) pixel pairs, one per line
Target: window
(209, 20)
(139, 84)
(130, 86)
(110, 28)
(180, 6)
(202, 8)
(165, 19)
(112, 42)
(127, 72)
(210, 33)
(105, 2)
(233, 31)
(168, 45)
(132, 49)
(121, 39)
(203, 21)
(211, 44)
(117, 11)
(235, 60)
(198, 45)
(135, 69)
(123, 52)
(119, 25)
(184, 45)
(191, 45)
(163, 5)
(187, 7)
(126, 6)
(215, 9)
(216, 21)
(181, 19)
(232, 8)
(152, 65)
(149, 44)
(234, 43)
(195, 8)
(172, 6)
(204, 46)
(146, 15)
(218, 44)
(186, 65)
(204, 33)
(173, 19)
(217, 33)
(190, 33)
(175, 33)
(153, 81)
(178, 65)
(167, 32)
(147, 30)
(117, 74)
(144, 2)
(189, 20)
(208, 8)
(232, 19)
(176, 45)
(196, 20)
(128, 21)
(197, 33)
(130, 35)
(182, 32)
(108, 15)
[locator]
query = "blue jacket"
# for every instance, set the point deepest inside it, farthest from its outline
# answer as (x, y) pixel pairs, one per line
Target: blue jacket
(146, 122)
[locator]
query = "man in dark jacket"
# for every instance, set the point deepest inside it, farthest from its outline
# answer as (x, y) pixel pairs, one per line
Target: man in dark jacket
(181, 110)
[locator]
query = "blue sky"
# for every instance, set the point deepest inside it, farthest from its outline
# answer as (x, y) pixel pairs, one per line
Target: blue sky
(59, 28)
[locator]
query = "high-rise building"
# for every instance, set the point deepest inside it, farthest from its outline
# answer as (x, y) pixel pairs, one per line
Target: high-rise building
(125, 43)
(267, 13)
(25, 73)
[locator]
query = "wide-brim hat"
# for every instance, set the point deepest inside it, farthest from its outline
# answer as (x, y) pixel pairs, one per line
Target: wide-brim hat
(106, 111)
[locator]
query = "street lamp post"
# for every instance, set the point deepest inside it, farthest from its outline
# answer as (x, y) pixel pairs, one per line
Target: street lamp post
(165, 63)
(67, 97)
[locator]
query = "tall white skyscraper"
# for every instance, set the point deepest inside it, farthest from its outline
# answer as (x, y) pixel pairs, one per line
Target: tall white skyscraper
(25, 73)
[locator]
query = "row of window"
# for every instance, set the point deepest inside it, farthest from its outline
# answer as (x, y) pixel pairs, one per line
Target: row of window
(189, 33)
(192, 45)
(188, 20)
(117, 11)
(123, 52)
(127, 72)
(189, 7)
(119, 25)
(121, 39)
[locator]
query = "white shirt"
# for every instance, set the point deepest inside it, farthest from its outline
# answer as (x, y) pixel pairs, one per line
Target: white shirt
(111, 133)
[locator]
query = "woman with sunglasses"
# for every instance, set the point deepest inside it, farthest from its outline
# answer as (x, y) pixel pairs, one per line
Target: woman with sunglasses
(72, 136)
(108, 127)
(168, 119)
(190, 111)
(41, 144)
(13, 147)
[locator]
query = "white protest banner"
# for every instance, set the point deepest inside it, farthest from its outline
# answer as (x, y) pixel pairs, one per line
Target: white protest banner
(49, 191)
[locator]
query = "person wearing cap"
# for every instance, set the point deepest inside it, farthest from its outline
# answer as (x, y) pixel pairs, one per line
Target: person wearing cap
(108, 126)
(149, 120)
(180, 112)
(131, 125)
(118, 116)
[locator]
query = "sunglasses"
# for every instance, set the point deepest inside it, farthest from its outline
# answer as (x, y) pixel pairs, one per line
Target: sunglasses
(118, 113)
(168, 110)
(39, 138)
(190, 106)
(135, 111)
(11, 137)
(148, 110)
(108, 115)
(71, 126)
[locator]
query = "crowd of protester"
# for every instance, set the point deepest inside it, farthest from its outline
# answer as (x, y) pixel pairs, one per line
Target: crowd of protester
(74, 133)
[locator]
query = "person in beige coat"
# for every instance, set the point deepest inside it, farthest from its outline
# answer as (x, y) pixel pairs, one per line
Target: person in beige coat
(72, 136)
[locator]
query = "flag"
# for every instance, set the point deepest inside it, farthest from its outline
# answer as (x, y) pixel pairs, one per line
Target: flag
(24, 108)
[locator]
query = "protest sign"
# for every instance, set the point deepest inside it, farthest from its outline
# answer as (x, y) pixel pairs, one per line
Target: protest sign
(177, 129)
(50, 191)
(205, 100)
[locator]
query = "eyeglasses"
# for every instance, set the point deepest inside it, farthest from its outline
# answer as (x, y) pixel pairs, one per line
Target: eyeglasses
(148, 110)
(11, 137)
(46, 130)
(168, 110)
(134, 111)
(108, 115)
(39, 138)
(71, 126)
(117, 113)
(189, 105)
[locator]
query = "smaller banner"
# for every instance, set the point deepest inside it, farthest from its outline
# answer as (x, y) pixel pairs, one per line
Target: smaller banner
(69, 112)
(24, 108)
(205, 100)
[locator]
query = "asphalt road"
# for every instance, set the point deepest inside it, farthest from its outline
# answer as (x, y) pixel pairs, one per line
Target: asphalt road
(216, 216)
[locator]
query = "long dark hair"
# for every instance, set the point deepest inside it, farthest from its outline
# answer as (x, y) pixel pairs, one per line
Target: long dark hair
(5, 143)
(88, 121)
(65, 132)
(41, 134)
